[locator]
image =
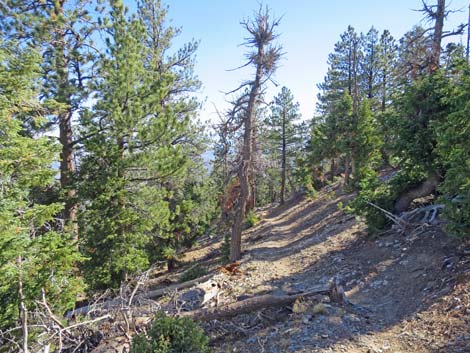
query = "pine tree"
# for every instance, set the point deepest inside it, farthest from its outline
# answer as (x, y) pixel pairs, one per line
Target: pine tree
(135, 148)
(343, 77)
(282, 132)
(387, 57)
(453, 148)
(62, 31)
(370, 67)
(367, 142)
(33, 257)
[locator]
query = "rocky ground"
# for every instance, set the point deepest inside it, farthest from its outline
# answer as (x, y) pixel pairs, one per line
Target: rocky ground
(406, 292)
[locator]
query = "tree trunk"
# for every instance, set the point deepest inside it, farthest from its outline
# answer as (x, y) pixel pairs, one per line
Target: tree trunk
(384, 89)
(284, 157)
(63, 96)
(261, 35)
(244, 172)
(347, 165)
(353, 168)
(333, 169)
(439, 16)
(468, 34)
(67, 169)
(250, 305)
(171, 264)
(424, 189)
(22, 307)
(271, 192)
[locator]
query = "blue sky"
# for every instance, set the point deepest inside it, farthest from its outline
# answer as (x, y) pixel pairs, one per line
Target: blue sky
(308, 31)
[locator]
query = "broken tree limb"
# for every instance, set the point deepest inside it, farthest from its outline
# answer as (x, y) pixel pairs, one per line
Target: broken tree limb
(162, 291)
(412, 219)
(114, 303)
(251, 304)
(394, 218)
(421, 215)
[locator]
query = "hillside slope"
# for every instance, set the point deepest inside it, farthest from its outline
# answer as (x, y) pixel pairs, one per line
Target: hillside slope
(407, 293)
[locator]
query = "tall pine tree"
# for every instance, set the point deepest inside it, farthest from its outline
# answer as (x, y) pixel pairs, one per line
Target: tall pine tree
(33, 257)
(282, 133)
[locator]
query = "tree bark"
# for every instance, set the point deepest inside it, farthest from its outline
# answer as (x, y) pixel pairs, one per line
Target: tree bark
(245, 169)
(153, 294)
(284, 158)
(347, 165)
(333, 169)
(353, 168)
(250, 305)
(67, 169)
(63, 96)
(438, 15)
(22, 308)
(424, 189)
(468, 34)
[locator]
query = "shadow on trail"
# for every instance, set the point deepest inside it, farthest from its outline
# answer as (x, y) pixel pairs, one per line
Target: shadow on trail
(309, 225)
(389, 281)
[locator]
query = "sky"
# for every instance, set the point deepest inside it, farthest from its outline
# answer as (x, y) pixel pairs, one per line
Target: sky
(308, 31)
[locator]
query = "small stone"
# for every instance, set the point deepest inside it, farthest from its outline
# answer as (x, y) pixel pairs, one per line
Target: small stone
(306, 319)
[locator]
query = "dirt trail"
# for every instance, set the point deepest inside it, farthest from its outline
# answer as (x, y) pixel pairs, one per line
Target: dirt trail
(408, 293)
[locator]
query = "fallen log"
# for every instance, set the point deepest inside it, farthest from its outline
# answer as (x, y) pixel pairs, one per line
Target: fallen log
(157, 293)
(117, 302)
(256, 303)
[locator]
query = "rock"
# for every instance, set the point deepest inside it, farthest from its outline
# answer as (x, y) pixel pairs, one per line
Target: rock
(447, 263)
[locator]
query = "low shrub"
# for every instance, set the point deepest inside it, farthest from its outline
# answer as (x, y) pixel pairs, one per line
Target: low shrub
(171, 335)
(252, 219)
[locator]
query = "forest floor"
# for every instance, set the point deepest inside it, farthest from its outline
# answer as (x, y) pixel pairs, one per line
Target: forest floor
(407, 292)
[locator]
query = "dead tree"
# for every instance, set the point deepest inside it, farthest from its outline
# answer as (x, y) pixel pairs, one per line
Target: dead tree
(436, 13)
(264, 56)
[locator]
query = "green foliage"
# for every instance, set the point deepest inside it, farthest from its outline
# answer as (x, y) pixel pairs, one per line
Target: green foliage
(32, 255)
(366, 145)
(171, 335)
(420, 109)
(141, 177)
(454, 149)
(282, 137)
(252, 219)
(194, 272)
(382, 194)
